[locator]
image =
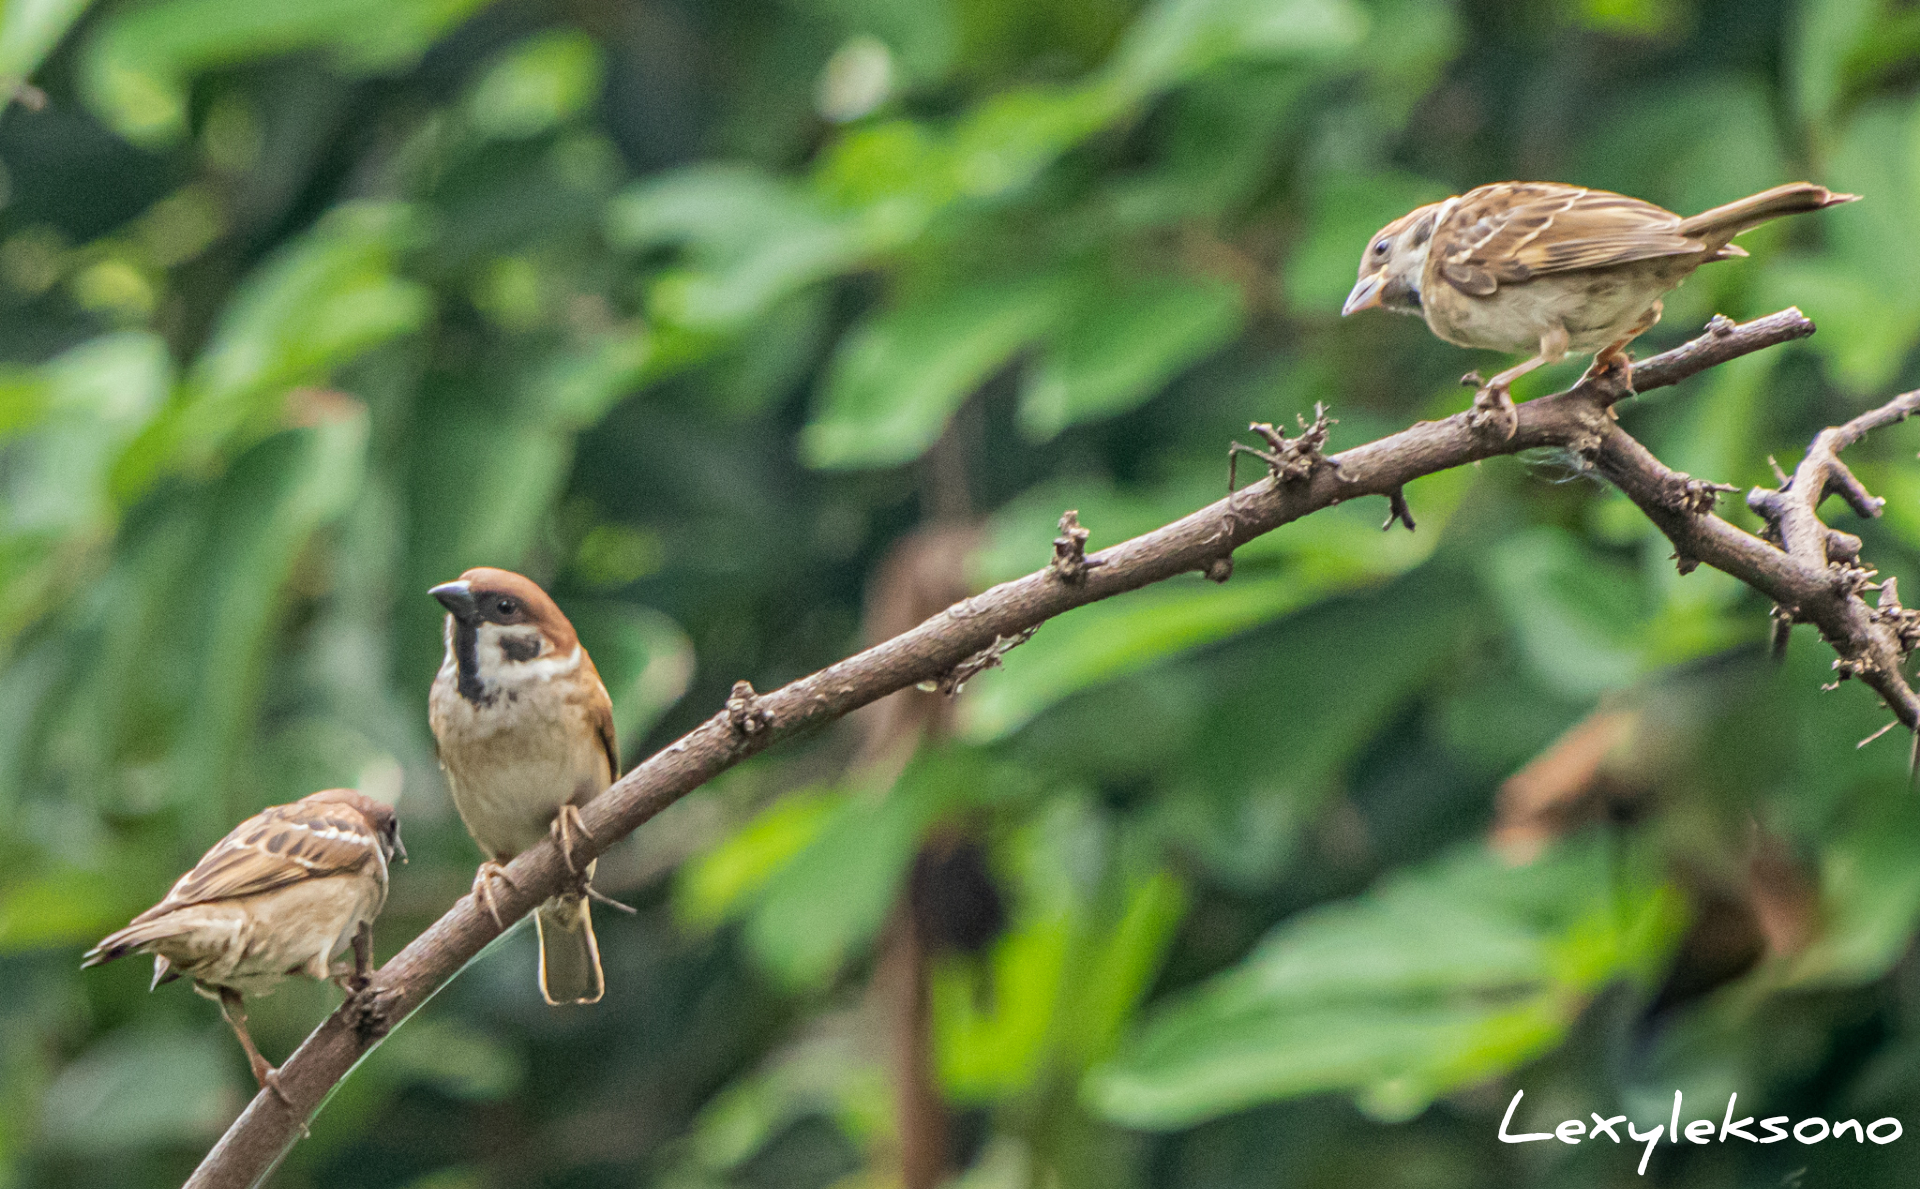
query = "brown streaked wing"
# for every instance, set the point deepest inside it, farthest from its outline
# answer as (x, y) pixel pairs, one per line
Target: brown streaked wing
(600, 713)
(280, 846)
(1506, 233)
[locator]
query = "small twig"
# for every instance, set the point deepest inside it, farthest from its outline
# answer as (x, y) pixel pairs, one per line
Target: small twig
(955, 679)
(1070, 563)
(743, 712)
(1397, 510)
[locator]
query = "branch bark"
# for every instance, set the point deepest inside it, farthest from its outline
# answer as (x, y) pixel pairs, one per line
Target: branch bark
(1800, 575)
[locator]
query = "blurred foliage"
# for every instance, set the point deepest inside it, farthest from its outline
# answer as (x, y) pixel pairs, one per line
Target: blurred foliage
(694, 312)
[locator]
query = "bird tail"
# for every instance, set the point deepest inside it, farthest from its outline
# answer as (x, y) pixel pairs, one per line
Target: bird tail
(129, 940)
(569, 955)
(1722, 223)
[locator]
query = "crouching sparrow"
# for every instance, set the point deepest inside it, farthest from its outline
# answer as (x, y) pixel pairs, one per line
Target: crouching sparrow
(525, 730)
(282, 894)
(1552, 269)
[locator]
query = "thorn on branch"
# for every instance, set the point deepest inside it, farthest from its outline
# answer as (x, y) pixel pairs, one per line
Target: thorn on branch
(1720, 326)
(744, 713)
(955, 679)
(1777, 633)
(1876, 734)
(1397, 510)
(1902, 621)
(1286, 458)
(1848, 579)
(1070, 563)
(1848, 667)
(1779, 476)
(1696, 496)
(1220, 568)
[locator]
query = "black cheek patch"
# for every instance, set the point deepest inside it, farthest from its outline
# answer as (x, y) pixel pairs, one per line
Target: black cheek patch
(520, 648)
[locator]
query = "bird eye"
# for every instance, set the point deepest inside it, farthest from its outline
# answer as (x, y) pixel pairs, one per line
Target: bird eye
(1380, 249)
(506, 607)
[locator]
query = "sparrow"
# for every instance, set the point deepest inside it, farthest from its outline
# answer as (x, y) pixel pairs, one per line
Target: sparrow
(525, 731)
(285, 892)
(1549, 268)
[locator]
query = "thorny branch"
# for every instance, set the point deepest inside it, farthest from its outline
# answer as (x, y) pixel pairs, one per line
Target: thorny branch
(1810, 571)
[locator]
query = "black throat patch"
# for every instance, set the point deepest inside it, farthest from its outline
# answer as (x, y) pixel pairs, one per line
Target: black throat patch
(466, 660)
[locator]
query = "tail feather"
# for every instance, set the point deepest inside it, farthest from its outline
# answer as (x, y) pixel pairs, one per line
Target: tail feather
(130, 940)
(569, 955)
(1724, 222)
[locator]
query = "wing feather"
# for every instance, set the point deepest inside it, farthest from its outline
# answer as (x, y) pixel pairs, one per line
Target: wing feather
(1509, 232)
(279, 846)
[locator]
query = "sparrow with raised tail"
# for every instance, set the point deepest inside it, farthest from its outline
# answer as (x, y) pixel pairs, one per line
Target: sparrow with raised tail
(1552, 269)
(285, 892)
(525, 730)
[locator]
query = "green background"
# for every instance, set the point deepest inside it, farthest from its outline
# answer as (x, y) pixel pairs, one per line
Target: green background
(736, 324)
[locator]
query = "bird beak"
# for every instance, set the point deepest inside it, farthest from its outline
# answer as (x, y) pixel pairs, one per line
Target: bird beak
(1366, 294)
(457, 598)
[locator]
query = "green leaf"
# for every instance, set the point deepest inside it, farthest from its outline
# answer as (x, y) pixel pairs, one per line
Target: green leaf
(1444, 976)
(92, 401)
(1578, 620)
(1347, 209)
(822, 907)
(1237, 810)
(29, 29)
(138, 64)
(829, 901)
(106, 1099)
(897, 378)
(721, 882)
(456, 1059)
(266, 512)
(1117, 347)
(644, 658)
(68, 906)
(322, 301)
(1869, 898)
(539, 84)
(751, 240)
(1173, 40)
(1337, 549)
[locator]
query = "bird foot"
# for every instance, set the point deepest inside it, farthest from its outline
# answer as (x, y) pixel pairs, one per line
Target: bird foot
(1612, 372)
(566, 827)
(348, 978)
(1493, 406)
(371, 1012)
(269, 1079)
(483, 889)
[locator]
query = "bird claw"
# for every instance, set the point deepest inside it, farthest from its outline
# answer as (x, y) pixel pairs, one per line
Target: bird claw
(349, 979)
(566, 824)
(483, 889)
(1493, 405)
(1614, 372)
(371, 1012)
(269, 1079)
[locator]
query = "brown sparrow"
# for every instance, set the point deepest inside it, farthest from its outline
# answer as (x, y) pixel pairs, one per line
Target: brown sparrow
(290, 888)
(526, 737)
(1542, 267)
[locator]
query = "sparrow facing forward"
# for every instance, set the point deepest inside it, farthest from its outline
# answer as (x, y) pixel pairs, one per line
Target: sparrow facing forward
(526, 737)
(282, 894)
(1542, 267)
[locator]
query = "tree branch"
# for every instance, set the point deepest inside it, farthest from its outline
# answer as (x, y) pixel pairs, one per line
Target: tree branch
(971, 634)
